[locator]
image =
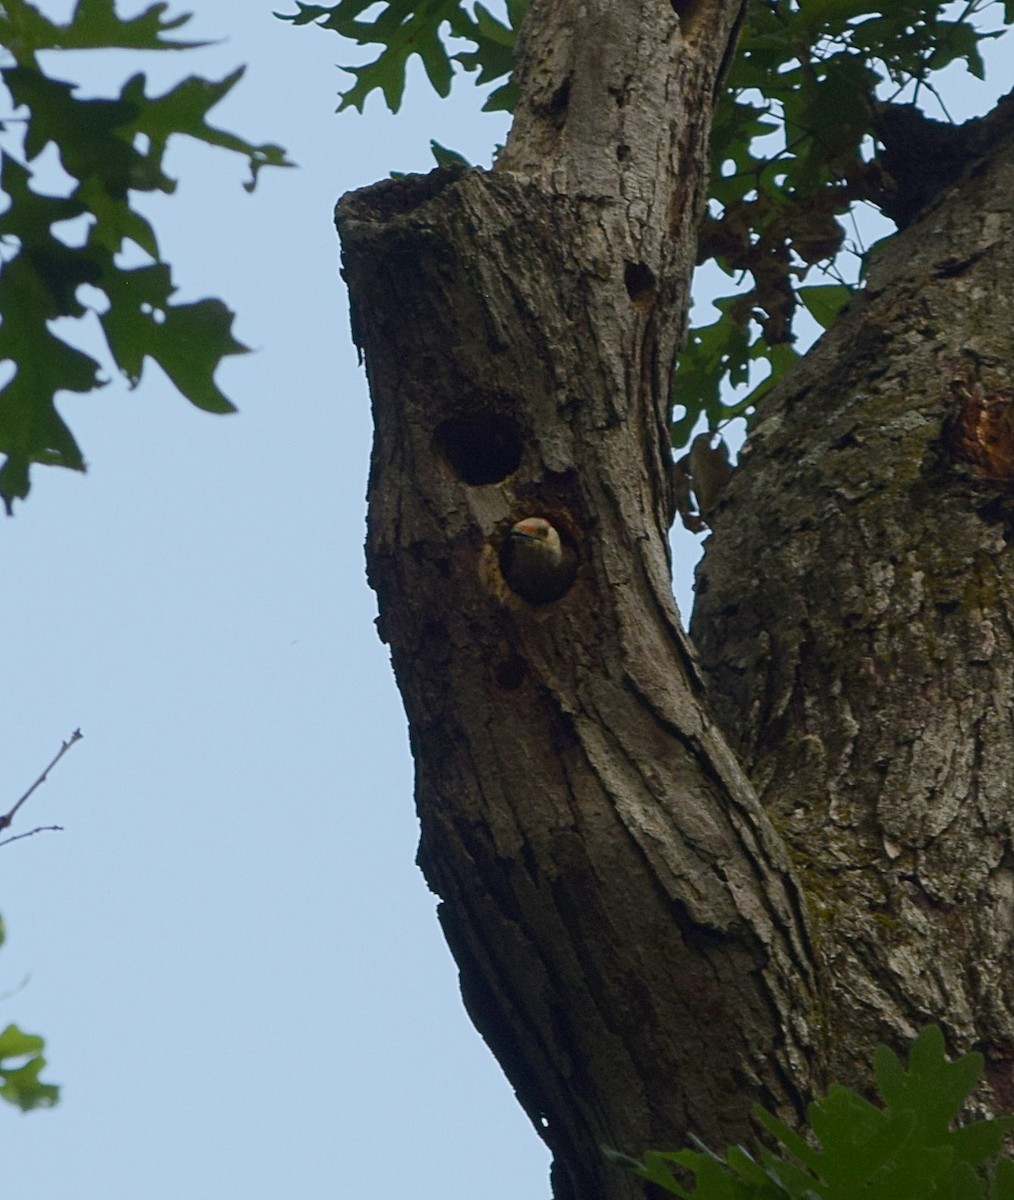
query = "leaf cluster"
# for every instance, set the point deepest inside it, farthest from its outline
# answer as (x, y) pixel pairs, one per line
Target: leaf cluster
(21, 1063)
(901, 1149)
(111, 148)
(417, 27)
(792, 149)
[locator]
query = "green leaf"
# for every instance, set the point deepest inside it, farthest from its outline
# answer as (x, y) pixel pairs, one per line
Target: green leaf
(38, 284)
(20, 1084)
(15, 1044)
(188, 341)
(189, 347)
(415, 27)
(447, 158)
(1002, 1183)
(932, 1086)
(111, 148)
(957, 40)
(41, 280)
(816, 67)
(502, 99)
(717, 353)
(905, 1150)
(182, 110)
(821, 14)
(796, 1145)
(94, 26)
(493, 55)
(655, 1169)
(980, 1140)
(91, 136)
(825, 301)
(23, 1087)
(404, 28)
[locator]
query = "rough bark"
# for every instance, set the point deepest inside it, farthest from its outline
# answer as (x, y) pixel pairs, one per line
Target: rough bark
(628, 929)
(855, 620)
(627, 905)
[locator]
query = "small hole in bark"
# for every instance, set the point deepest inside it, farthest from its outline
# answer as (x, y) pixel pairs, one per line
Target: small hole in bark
(510, 673)
(622, 153)
(686, 10)
(640, 281)
(559, 103)
(481, 449)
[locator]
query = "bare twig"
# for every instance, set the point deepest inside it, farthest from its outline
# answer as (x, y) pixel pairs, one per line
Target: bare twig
(38, 829)
(8, 817)
(14, 991)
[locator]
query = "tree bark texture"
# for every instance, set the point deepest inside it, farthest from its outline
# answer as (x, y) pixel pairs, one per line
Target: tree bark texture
(628, 928)
(651, 938)
(855, 621)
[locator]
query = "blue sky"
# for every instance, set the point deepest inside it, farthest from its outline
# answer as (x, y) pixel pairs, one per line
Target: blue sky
(232, 956)
(231, 953)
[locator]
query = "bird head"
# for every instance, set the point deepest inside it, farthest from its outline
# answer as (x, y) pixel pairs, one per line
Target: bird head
(536, 536)
(537, 564)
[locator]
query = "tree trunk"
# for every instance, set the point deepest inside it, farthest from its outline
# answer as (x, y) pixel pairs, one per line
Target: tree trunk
(855, 617)
(630, 927)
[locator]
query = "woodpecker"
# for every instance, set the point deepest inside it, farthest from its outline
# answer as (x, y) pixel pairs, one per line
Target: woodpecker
(710, 470)
(705, 471)
(536, 562)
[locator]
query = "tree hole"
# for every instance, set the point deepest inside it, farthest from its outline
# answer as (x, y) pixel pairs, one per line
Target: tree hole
(481, 449)
(559, 103)
(640, 282)
(687, 11)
